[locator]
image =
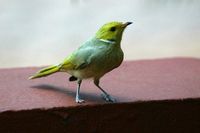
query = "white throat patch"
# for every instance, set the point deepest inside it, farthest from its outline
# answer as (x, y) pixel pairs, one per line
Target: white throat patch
(107, 41)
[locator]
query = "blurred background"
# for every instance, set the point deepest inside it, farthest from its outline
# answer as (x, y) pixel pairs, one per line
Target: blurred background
(43, 32)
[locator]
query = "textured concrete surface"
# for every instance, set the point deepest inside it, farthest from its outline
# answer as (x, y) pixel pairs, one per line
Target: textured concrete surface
(173, 116)
(176, 78)
(47, 105)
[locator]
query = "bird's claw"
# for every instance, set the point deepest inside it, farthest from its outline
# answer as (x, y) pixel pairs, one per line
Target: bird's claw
(108, 98)
(79, 100)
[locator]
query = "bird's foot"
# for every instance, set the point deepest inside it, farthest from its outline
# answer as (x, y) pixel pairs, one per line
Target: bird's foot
(108, 98)
(78, 100)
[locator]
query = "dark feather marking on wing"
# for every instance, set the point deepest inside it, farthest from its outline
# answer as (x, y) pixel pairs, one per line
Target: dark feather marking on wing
(72, 78)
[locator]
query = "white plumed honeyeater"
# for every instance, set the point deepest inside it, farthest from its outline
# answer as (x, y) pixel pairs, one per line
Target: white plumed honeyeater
(93, 59)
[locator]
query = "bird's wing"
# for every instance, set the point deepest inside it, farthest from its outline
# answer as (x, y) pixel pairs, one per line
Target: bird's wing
(80, 58)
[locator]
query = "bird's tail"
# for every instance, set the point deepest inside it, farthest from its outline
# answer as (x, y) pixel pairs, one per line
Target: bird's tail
(45, 72)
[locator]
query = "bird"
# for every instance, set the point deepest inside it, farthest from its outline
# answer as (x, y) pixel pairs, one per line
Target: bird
(93, 59)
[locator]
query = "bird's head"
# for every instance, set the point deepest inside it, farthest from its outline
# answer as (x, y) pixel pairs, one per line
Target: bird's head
(112, 31)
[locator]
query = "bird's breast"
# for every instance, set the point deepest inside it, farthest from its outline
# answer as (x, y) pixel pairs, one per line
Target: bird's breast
(106, 60)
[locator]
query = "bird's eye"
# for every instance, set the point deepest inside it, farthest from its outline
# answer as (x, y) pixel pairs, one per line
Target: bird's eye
(112, 28)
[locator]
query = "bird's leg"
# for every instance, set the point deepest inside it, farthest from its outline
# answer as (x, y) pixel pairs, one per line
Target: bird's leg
(105, 95)
(78, 100)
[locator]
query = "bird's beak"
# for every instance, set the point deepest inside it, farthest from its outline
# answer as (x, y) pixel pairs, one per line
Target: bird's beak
(126, 24)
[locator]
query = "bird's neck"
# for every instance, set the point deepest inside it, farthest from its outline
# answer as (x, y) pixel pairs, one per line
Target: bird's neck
(108, 41)
(115, 43)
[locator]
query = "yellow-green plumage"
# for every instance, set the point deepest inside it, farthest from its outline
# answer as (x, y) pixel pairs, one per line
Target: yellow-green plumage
(45, 72)
(94, 58)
